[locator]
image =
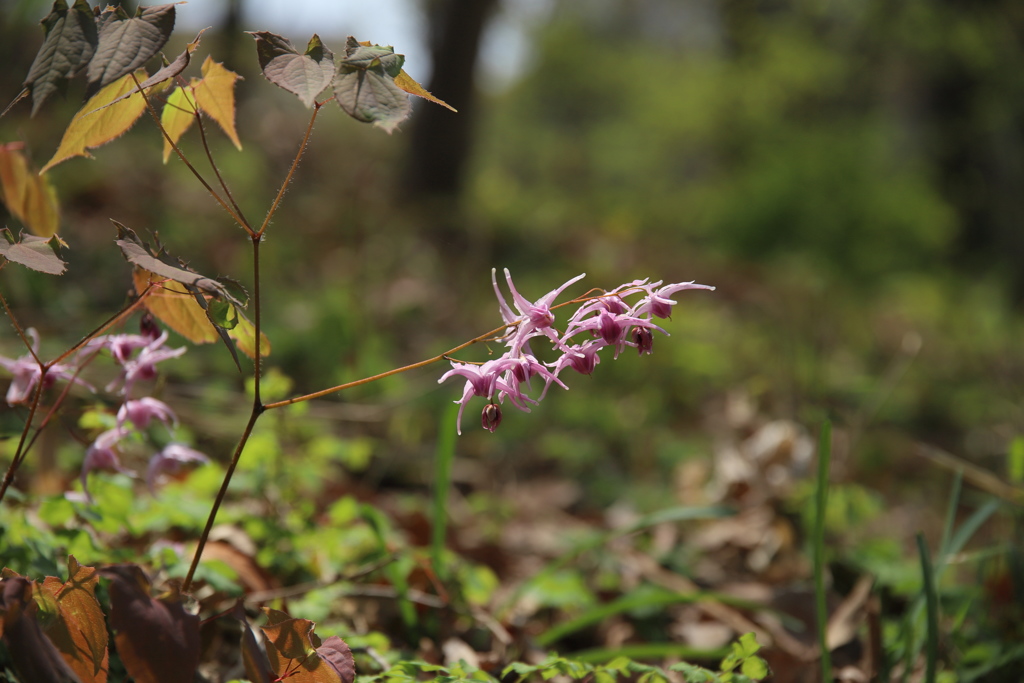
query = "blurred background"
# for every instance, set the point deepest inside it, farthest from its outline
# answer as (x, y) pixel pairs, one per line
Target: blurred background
(848, 174)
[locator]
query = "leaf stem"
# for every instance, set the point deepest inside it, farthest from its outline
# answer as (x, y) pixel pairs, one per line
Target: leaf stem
(213, 164)
(366, 380)
(291, 171)
(181, 155)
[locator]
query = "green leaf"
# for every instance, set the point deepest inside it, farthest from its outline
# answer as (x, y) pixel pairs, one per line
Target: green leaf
(126, 43)
(71, 40)
(303, 75)
(754, 667)
(364, 85)
(37, 253)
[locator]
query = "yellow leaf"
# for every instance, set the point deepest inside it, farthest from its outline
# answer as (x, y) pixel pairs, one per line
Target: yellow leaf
(409, 85)
(173, 305)
(91, 128)
(28, 196)
(244, 334)
(215, 94)
(178, 115)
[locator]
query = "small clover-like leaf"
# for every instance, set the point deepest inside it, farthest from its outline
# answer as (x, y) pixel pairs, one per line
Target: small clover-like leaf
(126, 43)
(28, 195)
(71, 40)
(304, 75)
(37, 253)
(364, 85)
(91, 128)
(215, 95)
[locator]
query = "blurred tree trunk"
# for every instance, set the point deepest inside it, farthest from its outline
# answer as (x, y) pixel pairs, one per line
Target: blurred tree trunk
(440, 140)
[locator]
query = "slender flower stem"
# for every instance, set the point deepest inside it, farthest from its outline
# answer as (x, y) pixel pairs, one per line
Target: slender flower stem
(19, 454)
(366, 380)
(291, 171)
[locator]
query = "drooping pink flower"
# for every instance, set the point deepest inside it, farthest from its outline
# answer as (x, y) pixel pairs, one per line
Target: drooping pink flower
(142, 365)
(608, 319)
(170, 460)
(102, 455)
(27, 373)
(140, 412)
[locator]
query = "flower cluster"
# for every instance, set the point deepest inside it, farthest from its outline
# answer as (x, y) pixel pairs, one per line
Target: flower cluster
(137, 355)
(135, 415)
(606, 320)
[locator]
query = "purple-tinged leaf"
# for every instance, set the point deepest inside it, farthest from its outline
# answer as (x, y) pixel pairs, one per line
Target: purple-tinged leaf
(138, 254)
(157, 639)
(303, 75)
(338, 655)
(35, 658)
(254, 659)
(70, 43)
(126, 43)
(364, 85)
(179, 64)
(37, 253)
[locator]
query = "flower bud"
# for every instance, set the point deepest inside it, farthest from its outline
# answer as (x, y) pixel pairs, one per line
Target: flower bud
(644, 340)
(491, 417)
(148, 327)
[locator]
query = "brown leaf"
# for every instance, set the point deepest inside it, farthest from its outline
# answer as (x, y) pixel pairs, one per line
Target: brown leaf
(35, 658)
(28, 195)
(296, 653)
(157, 639)
(79, 630)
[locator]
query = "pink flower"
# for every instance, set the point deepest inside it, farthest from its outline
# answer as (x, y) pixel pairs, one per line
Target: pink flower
(143, 365)
(27, 374)
(534, 318)
(140, 412)
(608, 318)
(102, 455)
(170, 460)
